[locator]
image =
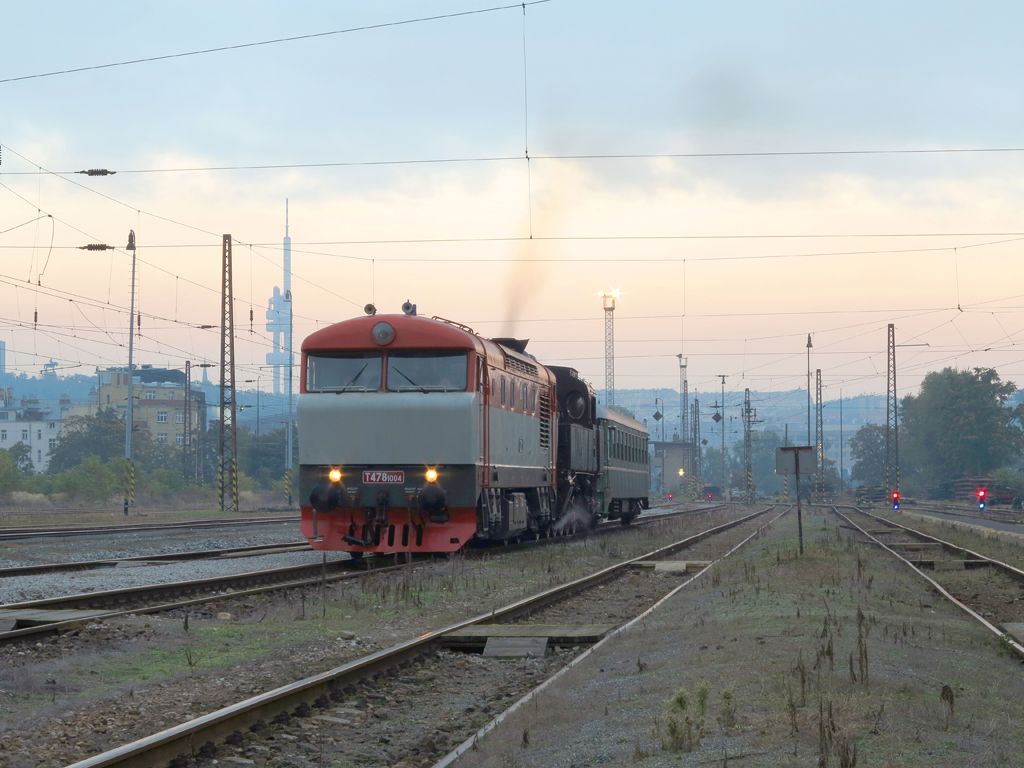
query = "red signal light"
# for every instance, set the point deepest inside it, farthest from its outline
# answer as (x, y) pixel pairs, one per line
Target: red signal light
(895, 495)
(981, 493)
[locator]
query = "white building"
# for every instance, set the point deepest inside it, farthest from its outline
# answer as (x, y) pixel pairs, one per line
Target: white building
(32, 425)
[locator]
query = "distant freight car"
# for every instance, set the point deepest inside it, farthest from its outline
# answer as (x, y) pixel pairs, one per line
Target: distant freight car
(418, 435)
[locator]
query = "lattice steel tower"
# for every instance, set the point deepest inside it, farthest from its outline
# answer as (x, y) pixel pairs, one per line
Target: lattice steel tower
(892, 434)
(819, 441)
(696, 473)
(228, 466)
(609, 298)
(684, 398)
(748, 445)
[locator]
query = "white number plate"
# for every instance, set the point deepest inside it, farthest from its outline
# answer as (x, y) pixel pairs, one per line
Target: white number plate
(382, 476)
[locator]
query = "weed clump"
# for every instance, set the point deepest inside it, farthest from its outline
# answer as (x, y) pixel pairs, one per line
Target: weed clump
(685, 726)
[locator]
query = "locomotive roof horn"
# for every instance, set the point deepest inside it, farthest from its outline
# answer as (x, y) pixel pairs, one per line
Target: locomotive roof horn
(409, 308)
(370, 310)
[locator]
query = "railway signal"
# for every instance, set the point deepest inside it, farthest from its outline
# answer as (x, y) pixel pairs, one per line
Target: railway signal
(895, 500)
(982, 494)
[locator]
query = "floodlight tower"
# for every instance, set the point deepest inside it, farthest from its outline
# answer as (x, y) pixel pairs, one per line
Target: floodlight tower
(609, 298)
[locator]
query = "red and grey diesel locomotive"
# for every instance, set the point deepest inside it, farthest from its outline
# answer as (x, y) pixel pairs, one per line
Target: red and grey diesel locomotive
(418, 435)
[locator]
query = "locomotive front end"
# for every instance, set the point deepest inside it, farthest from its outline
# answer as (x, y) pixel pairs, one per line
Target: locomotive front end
(389, 436)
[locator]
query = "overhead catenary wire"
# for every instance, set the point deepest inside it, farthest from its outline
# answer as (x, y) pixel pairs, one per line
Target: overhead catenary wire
(275, 41)
(141, 261)
(504, 158)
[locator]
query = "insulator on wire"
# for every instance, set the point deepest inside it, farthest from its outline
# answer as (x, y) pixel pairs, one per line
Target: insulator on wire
(35, 318)
(97, 172)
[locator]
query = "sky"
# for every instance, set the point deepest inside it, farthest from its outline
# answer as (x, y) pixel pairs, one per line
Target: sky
(730, 257)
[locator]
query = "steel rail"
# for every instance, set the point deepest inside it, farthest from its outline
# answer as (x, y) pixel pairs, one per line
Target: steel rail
(1002, 516)
(17, 534)
(252, 582)
(163, 557)
(121, 597)
(190, 737)
(63, 626)
(1010, 570)
(1003, 636)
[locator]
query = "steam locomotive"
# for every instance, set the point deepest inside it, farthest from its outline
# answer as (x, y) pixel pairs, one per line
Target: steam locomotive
(419, 435)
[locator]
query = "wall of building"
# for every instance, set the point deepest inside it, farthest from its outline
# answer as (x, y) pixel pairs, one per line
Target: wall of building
(159, 405)
(38, 432)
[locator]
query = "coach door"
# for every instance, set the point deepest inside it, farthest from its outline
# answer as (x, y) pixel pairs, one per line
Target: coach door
(483, 384)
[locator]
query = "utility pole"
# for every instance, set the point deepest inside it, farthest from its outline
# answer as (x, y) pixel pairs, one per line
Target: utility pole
(186, 440)
(748, 445)
(819, 442)
(609, 298)
(892, 445)
(809, 389)
(228, 470)
(841, 489)
(725, 482)
(684, 397)
(129, 421)
(785, 478)
(698, 476)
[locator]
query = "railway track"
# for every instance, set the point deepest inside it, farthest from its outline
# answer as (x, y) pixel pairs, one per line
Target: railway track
(989, 590)
(327, 692)
(58, 614)
(165, 557)
(17, 534)
(1002, 517)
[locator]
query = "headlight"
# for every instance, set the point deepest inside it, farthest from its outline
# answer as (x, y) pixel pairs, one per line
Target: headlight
(431, 475)
(334, 475)
(383, 333)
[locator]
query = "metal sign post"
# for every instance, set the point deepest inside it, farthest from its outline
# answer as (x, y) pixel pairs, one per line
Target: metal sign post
(796, 460)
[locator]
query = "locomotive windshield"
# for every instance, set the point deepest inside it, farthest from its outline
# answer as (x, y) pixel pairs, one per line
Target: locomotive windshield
(343, 373)
(427, 371)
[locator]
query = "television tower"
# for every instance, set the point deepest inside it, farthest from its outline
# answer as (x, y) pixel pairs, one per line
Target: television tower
(279, 322)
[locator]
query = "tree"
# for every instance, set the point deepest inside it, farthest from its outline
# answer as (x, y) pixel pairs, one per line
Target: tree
(91, 480)
(101, 435)
(960, 424)
(21, 453)
(10, 476)
(867, 448)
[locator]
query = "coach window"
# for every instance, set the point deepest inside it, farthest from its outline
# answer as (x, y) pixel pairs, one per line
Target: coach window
(343, 373)
(502, 390)
(524, 402)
